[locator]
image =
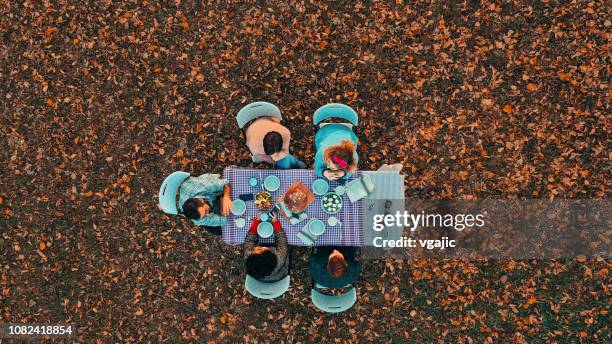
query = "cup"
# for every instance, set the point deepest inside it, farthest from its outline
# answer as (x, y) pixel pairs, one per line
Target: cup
(239, 222)
(332, 221)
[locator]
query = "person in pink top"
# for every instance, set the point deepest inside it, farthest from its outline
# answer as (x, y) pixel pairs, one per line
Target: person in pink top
(268, 141)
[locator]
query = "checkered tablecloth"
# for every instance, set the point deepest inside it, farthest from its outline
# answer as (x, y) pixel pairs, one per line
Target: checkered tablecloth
(350, 233)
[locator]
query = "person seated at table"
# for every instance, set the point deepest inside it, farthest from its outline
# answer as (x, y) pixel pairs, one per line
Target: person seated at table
(268, 141)
(335, 267)
(266, 263)
(336, 152)
(206, 201)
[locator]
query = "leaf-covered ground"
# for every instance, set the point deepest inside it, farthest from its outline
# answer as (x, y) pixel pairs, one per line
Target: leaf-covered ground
(100, 100)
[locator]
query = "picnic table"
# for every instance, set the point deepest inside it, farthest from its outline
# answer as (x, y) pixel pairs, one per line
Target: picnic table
(349, 233)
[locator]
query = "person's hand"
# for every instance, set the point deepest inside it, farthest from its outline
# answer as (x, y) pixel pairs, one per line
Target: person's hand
(226, 206)
(331, 175)
(274, 218)
(258, 216)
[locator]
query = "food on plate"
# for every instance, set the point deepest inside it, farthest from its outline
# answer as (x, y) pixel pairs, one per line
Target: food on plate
(263, 200)
(331, 203)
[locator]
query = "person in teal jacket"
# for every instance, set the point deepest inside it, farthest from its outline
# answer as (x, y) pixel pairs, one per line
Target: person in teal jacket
(336, 152)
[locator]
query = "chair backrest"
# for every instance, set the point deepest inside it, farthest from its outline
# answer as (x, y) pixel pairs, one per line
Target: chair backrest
(335, 110)
(333, 303)
(266, 290)
(168, 191)
(255, 110)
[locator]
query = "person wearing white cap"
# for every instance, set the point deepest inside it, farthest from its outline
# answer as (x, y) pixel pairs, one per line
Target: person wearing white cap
(204, 199)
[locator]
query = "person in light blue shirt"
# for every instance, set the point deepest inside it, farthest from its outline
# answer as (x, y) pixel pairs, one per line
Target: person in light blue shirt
(206, 200)
(336, 152)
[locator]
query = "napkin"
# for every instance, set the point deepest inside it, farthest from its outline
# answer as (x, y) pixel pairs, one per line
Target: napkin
(359, 188)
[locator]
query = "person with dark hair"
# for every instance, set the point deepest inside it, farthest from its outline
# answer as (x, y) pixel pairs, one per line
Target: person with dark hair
(266, 263)
(335, 267)
(272, 143)
(205, 200)
(268, 140)
(336, 152)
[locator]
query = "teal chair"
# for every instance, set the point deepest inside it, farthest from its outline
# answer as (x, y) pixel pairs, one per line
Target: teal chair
(267, 290)
(168, 191)
(255, 110)
(333, 303)
(335, 110)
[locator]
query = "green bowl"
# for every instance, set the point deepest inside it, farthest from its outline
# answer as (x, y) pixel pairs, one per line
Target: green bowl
(331, 203)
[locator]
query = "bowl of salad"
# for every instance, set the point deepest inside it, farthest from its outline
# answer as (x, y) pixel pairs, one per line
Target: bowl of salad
(263, 200)
(331, 203)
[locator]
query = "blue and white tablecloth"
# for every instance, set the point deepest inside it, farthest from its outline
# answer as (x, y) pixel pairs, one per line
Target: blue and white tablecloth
(350, 233)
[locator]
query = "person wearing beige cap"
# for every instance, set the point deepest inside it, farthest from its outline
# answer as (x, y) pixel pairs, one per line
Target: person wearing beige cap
(268, 140)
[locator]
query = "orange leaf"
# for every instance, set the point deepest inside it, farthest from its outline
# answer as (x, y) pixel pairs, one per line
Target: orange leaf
(185, 25)
(42, 246)
(531, 87)
(1, 200)
(531, 300)
(49, 101)
(508, 109)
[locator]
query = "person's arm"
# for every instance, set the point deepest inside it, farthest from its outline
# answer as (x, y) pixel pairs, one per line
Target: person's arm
(211, 220)
(320, 166)
(252, 239)
(286, 135)
(226, 200)
(282, 245)
(253, 228)
(212, 183)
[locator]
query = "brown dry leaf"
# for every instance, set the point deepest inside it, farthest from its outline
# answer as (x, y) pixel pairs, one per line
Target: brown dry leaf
(531, 300)
(185, 25)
